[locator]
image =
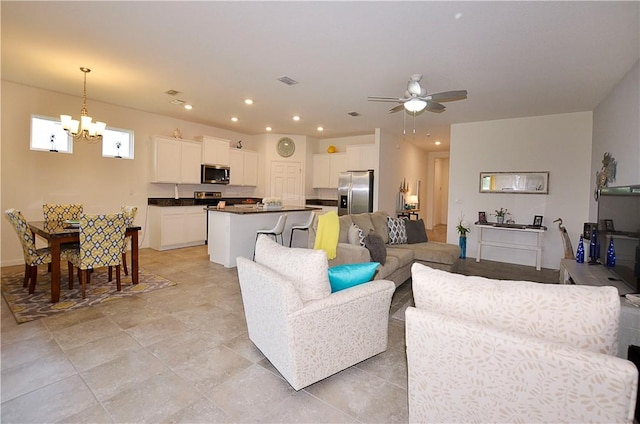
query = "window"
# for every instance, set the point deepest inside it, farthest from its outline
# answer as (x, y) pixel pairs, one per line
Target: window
(47, 135)
(117, 143)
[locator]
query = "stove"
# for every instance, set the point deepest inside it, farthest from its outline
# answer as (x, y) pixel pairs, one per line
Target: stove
(210, 198)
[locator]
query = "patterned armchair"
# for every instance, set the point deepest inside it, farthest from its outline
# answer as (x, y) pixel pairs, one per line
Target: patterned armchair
(32, 256)
(60, 212)
(481, 350)
(304, 330)
(101, 245)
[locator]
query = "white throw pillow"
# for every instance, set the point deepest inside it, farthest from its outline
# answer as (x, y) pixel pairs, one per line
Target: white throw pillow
(307, 268)
(397, 230)
(355, 235)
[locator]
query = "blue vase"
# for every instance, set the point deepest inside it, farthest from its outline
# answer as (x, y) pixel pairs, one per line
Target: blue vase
(462, 242)
(580, 252)
(611, 255)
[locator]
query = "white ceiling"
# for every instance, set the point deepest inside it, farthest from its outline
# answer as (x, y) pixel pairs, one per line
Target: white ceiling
(514, 58)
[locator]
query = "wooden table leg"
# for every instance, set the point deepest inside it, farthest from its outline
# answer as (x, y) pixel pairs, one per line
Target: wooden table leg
(55, 270)
(134, 257)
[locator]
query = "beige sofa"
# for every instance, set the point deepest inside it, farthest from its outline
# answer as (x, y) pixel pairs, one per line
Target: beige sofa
(400, 257)
(490, 351)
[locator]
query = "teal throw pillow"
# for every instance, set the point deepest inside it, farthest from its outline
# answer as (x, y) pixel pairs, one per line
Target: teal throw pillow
(344, 276)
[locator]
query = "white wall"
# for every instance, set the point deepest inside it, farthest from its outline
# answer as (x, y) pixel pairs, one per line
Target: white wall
(560, 144)
(31, 178)
(400, 160)
(616, 129)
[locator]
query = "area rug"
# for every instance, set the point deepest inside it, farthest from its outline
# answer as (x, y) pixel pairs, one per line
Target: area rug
(26, 307)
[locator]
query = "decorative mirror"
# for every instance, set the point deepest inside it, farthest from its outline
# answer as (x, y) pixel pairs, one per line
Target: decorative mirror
(515, 182)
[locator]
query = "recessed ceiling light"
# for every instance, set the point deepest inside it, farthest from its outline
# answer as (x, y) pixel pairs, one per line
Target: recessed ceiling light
(234, 119)
(188, 107)
(320, 129)
(437, 143)
(268, 128)
(248, 101)
(296, 118)
(458, 15)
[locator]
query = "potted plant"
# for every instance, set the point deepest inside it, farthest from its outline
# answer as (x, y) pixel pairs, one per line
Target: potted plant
(463, 229)
(500, 214)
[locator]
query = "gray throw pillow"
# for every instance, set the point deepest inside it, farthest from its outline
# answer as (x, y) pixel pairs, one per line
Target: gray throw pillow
(377, 249)
(416, 232)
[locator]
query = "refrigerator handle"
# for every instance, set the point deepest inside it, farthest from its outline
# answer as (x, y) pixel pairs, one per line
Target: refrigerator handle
(349, 198)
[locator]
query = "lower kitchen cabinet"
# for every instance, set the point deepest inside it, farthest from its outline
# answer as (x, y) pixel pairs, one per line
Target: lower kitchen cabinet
(172, 227)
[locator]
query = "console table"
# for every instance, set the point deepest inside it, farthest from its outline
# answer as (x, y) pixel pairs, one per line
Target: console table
(537, 230)
(572, 272)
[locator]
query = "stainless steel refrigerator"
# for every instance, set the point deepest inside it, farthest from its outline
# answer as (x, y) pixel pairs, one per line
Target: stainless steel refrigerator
(355, 192)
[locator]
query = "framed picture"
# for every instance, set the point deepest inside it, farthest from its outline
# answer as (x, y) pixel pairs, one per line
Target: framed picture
(537, 221)
(608, 225)
(482, 217)
(588, 229)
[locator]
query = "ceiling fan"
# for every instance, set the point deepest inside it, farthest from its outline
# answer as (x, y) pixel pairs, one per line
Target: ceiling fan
(416, 98)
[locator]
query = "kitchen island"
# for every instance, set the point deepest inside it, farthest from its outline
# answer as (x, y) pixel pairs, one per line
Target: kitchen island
(232, 230)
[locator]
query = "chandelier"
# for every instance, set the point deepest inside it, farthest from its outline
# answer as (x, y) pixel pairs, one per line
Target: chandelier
(84, 128)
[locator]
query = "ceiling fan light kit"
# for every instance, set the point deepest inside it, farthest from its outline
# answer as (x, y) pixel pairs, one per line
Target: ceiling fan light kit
(415, 105)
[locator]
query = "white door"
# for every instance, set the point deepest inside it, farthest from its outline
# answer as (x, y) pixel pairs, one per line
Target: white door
(286, 182)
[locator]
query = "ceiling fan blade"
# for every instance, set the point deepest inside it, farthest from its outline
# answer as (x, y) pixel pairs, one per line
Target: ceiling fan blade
(396, 108)
(385, 99)
(447, 96)
(435, 107)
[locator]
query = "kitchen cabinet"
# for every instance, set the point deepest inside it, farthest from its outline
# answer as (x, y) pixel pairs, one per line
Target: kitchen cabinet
(327, 169)
(244, 167)
(172, 227)
(175, 161)
(361, 157)
(215, 151)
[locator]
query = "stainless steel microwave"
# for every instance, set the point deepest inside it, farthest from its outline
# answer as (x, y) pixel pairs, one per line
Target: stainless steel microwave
(215, 174)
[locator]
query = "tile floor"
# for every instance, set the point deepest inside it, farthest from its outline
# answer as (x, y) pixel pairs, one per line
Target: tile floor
(182, 354)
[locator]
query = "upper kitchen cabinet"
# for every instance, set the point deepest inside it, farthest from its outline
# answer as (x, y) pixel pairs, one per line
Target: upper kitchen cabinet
(175, 161)
(361, 157)
(215, 151)
(327, 169)
(244, 167)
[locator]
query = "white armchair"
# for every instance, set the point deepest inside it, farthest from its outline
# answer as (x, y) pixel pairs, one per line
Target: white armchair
(481, 350)
(304, 330)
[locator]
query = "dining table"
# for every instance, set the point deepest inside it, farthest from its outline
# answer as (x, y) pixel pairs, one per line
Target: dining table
(56, 233)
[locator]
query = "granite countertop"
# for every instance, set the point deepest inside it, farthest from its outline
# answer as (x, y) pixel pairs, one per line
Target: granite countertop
(250, 209)
(190, 201)
(322, 202)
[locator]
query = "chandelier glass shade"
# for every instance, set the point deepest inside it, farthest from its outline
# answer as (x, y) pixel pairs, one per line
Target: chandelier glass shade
(84, 128)
(415, 105)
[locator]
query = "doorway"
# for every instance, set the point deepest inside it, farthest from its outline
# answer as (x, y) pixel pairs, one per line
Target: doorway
(286, 182)
(441, 191)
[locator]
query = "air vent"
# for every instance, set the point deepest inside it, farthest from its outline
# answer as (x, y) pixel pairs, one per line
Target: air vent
(354, 114)
(177, 102)
(172, 92)
(287, 80)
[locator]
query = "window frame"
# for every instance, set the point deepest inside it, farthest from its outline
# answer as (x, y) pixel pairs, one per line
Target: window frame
(55, 126)
(128, 154)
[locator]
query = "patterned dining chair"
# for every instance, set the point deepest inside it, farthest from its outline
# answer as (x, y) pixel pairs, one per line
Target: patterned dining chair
(129, 213)
(32, 256)
(61, 212)
(101, 245)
